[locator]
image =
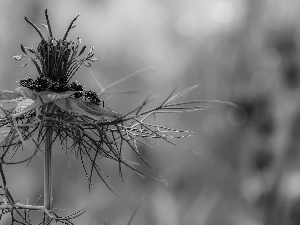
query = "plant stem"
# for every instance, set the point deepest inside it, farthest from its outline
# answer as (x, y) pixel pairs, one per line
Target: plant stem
(47, 172)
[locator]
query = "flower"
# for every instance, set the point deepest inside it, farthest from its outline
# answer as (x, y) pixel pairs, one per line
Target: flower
(75, 113)
(52, 109)
(57, 60)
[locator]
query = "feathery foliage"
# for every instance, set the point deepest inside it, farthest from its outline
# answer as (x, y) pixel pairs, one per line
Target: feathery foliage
(52, 109)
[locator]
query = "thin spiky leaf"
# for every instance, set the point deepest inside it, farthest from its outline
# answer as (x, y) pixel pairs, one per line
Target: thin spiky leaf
(23, 49)
(103, 90)
(181, 93)
(136, 209)
(200, 102)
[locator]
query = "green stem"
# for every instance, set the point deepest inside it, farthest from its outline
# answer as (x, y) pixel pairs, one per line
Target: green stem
(47, 173)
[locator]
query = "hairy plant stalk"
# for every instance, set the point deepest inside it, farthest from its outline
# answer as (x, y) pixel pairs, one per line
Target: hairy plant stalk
(48, 172)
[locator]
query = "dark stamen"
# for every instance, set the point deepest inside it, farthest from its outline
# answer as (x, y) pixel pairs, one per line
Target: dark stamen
(35, 27)
(48, 23)
(69, 28)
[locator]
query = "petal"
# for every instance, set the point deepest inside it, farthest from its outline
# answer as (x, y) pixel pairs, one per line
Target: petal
(70, 105)
(97, 110)
(27, 93)
(85, 108)
(45, 96)
(48, 96)
(21, 106)
(10, 96)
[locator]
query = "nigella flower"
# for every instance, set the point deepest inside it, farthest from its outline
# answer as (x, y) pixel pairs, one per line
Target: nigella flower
(57, 60)
(51, 109)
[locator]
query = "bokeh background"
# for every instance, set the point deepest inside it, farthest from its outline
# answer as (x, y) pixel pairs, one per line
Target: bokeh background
(243, 51)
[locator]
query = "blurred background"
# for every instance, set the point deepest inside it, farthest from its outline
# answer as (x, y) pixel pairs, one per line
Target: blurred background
(243, 51)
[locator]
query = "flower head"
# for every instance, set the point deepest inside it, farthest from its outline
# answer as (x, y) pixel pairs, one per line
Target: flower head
(57, 60)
